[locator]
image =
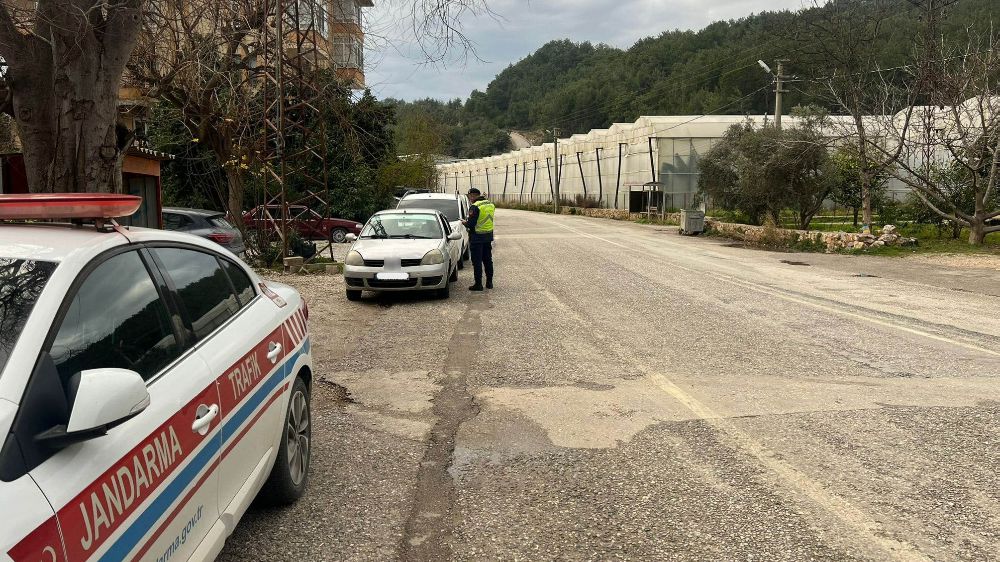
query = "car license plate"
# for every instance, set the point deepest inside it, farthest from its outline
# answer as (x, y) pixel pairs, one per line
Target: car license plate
(392, 276)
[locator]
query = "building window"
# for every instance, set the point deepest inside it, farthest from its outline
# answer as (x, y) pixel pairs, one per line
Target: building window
(347, 11)
(313, 15)
(348, 51)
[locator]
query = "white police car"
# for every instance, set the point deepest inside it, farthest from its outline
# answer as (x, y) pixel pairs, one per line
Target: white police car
(150, 385)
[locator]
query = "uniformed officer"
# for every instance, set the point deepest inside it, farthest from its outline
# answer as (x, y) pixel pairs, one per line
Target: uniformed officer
(480, 225)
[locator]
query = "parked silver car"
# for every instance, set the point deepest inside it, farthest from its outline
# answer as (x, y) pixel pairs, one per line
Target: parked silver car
(403, 250)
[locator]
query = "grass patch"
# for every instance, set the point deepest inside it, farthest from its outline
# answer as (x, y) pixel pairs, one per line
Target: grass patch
(656, 222)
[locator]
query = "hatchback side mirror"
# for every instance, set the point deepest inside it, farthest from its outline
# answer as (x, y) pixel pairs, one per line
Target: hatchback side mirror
(351, 237)
(100, 400)
(455, 235)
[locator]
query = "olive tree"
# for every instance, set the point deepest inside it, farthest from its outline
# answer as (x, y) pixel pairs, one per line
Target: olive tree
(761, 171)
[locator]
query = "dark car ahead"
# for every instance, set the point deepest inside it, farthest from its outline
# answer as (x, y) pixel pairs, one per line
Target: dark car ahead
(206, 224)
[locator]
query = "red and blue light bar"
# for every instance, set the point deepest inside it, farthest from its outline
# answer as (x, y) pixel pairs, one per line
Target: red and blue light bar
(80, 206)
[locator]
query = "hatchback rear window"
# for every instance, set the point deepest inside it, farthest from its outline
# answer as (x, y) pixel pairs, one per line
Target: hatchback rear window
(221, 222)
(21, 282)
(448, 207)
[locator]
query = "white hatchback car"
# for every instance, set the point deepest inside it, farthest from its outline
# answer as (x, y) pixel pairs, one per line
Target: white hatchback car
(150, 385)
(453, 206)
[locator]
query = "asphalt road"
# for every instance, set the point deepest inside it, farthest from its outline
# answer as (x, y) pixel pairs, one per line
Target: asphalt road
(626, 393)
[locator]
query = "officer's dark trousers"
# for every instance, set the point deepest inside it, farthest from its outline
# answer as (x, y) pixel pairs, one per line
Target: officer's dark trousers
(481, 246)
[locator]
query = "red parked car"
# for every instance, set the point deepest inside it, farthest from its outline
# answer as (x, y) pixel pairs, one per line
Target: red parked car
(309, 224)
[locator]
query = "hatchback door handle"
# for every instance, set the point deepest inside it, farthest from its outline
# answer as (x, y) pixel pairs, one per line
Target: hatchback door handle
(204, 419)
(273, 350)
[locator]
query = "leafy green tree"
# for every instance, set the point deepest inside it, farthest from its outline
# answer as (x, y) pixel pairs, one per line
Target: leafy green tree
(847, 189)
(763, 171)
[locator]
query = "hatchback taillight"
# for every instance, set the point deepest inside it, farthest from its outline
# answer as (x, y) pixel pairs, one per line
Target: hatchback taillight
(221, 237)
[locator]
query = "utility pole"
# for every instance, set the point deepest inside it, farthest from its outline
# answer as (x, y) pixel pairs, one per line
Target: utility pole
(555, 142)
(779, 82)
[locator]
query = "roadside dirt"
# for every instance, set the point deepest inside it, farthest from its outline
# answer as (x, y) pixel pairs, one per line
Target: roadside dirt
(964, 261)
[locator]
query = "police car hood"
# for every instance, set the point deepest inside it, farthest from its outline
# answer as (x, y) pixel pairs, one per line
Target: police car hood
(380, 249)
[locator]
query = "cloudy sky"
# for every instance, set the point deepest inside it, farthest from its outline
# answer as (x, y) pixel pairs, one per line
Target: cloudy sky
(397, 66)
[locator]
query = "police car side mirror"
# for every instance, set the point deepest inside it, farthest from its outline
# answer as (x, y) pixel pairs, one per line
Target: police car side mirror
(100, 399)
(455, 235)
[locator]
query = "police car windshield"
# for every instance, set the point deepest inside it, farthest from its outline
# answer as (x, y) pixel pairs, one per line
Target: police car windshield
(448, 207)
(21, 281)
(403, 226)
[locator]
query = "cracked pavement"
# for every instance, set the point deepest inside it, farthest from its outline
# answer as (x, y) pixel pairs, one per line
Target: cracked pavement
(626, 393)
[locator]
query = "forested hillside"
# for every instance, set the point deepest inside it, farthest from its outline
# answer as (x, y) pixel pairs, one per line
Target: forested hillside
(580, 86)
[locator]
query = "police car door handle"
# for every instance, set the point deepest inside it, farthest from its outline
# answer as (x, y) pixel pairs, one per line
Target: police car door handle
(273, 351)
(204, 420)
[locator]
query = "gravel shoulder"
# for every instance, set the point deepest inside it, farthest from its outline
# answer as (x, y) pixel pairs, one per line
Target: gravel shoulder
(963, 261)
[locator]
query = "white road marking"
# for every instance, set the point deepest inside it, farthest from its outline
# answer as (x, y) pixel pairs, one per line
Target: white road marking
(860, 522)
(844, 510)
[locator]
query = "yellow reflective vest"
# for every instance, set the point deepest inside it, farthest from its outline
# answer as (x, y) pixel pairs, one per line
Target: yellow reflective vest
(484, 224)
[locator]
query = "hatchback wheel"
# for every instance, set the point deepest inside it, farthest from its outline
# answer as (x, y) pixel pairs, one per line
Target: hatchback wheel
(444, 292)
(290, 473)
(338, 236)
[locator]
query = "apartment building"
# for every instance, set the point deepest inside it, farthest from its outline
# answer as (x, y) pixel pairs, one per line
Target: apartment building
(338, 29)
(347, 39)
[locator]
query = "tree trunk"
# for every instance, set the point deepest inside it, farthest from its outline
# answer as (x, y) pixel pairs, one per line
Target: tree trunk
(234, 203)
(866, 201)
(71, 145)
(956, 230)
(977, 232)
(64, 80)
(856, 211)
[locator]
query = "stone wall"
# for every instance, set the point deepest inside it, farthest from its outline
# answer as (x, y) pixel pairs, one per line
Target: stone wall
(616, 214)
(831, 241)
(764, 236)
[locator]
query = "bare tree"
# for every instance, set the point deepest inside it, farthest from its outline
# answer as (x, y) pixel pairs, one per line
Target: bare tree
(951, 146)
(199, 59)
(65, 60)
(843, 42)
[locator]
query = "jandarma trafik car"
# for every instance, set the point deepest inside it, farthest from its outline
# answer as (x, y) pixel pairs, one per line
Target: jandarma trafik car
(151, 385)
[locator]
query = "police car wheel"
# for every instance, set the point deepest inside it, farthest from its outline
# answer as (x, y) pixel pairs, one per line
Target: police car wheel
(290, 473)
(454, 274)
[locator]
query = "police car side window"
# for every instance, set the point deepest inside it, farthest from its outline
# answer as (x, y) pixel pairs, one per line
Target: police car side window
(116, 320)
(241, 282)
(203, 288)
